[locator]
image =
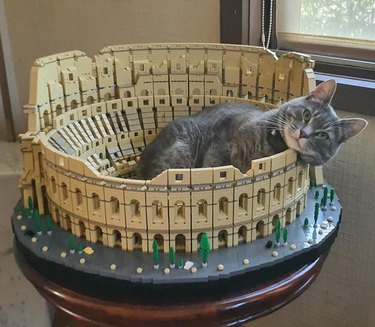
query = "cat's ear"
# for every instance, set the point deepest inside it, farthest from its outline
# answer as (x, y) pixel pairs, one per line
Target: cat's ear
(323, 93)
(351, 127)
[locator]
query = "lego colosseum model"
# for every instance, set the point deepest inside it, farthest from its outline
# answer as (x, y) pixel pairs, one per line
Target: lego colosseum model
(88, 122)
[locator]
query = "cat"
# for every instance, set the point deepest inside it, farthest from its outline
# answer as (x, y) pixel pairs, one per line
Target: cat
(234, 134)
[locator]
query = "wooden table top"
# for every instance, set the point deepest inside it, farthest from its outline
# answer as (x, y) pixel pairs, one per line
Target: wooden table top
(230, 309)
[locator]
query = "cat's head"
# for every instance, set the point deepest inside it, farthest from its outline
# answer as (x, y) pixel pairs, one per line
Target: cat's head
(310, 126)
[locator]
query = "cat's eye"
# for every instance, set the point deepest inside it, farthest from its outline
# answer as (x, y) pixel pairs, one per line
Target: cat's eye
(322, 135)
(306, 116)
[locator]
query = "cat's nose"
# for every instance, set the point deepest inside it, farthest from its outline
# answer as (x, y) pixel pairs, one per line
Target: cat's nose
(302, 134)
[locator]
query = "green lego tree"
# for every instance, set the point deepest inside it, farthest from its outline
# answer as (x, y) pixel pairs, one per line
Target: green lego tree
(72, 244)
(306, 222)
(155, 252)
(79, 248)
(278, 230)
(331, 195)
(180, 264)
(204, 249)
(172, 257)
(48, 223)
(285, 235)
(316, 196)
(316, 213)
(37, 221)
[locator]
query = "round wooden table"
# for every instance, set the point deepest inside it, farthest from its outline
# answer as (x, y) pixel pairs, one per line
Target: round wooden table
(234, 308)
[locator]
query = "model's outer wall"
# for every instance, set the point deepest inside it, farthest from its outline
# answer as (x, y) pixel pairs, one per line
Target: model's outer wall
(132, 73)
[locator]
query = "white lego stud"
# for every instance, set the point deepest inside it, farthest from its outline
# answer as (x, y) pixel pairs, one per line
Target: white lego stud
(63, 254)
(330, 219)
(112, 266)
(23, 227)
(324, 224)
(19, 217)
(293, 247)
(220, 267)
(194, 270)
(34, 239)
(333, 208)
(167, 271)
(246, 261)
(275, 253)
(82, 261)
(45, 248)
(139, 270)
(310, 241)
(320, 232)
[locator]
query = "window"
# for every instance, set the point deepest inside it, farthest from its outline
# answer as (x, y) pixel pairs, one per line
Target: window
(78, 196)
(202, 210)
(261, 199)
(134, 209)
(115, 205)
(157, 210)
(342, 28)
(95, 201)
(277, 193)
(179, 208)
(243, 203)
(64, 191)
(223, 207)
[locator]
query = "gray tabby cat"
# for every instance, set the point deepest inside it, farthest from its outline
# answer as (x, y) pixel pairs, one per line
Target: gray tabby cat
(234, 134)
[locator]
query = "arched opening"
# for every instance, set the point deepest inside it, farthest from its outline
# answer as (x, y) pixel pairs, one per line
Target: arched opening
(161, 92)
(144, 93)
(115, 205)
(222, 239)
(179, 209)
(299, 180)
(196, 91)
(79, 198)
(160, 239)
(90, 100)
(68, 223)
(229, 93)
(127, 94)
(134, 209)
(277, 193)
(223, 206)
(53, 185)
(137, 242)
(81, 229)
(290, 186)
(59, 110)
(298, 209)
(242, 235)
(99, 234)
(117, 239)
(202, 210)
(180, 242)
(34, 196)
(274, 220)
(45, 200)
(107, 96)
(57, 216)
(243, 202)
(40, 161)
(64, 191)
(261, 199)
(213, 92)
(288, 216)
(157, 211)
(95, 201)
(46, 119)
(73, 104)
(259, 229)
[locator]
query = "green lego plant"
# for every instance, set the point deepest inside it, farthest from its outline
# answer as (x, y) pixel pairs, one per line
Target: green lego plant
(331, 195)
(180, 264)
(172, 257)
(306, 222)
(48, 223)
(278, 230)
(37, 221)
(204, 249)
(316, 196)
(316, 213)
(79, 248)
(285, 235)
(155, 252)
(31, 206)
(72, 244)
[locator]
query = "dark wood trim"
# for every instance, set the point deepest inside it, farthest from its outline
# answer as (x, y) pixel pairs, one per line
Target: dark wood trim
(231, 21)
(8, 114)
